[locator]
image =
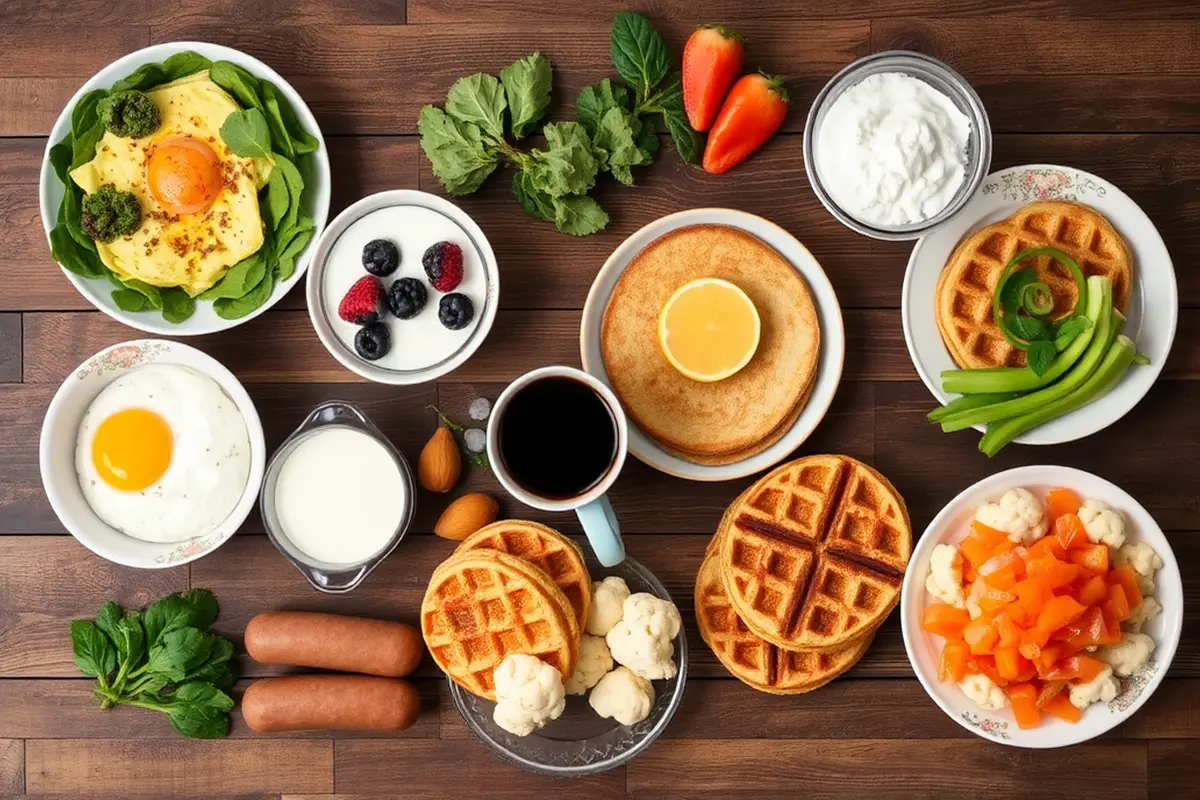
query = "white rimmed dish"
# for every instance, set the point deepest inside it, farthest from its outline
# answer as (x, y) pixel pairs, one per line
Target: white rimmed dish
(98, 291)
(1152, 314)
(56, 454)
(951, 525)
(829, 313)
(336, 265)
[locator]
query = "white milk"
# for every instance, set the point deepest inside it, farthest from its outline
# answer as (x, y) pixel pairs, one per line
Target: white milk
(339, 496)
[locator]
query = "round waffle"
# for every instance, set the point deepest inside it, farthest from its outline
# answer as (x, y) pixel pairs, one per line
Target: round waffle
(545, 548)
(967, 283)
(813, 554)
(750, 658)
(482, 605)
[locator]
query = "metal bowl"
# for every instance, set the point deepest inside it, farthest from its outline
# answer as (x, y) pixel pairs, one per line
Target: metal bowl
(581, 742)
(940, 77)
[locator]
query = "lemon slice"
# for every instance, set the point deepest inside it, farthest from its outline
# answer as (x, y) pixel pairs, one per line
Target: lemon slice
(709, 329)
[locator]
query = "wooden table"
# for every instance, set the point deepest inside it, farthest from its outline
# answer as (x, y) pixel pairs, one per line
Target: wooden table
(1110, 87)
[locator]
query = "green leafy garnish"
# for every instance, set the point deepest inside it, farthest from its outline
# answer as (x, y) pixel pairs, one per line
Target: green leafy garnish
(163, 659)
(246, 133)
(527, 87)
(459, 154)
(479, 459)
(478, 99)
(639, 54)
(1019, 290)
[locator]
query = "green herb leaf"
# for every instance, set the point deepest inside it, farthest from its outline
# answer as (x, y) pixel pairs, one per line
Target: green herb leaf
(579, 215)
(246, 133)
(152, 294)
(567, 166)
(295, 187)
(196, 608)
(478, 99)
(68, 252)
(594, 102)
(60, 158)
(1028, 328)
(130, 301)
(180, 65)
(1067, 331)
(241, 278)
(639, 53)
(83, 147)
(94, 652)
(615, 141)
(238, 82)
(458, 153)
(178, 652)
(238, 307)
(1014, 287)
(200, 710)
(86, 113)
(279, 199)
(688, 143)
(277, 106)
(1040, 356)
(536, 203)
(108, 618)
(291, 248)
(177, 305)
(177, 66)
(527, 86)
(130, 639)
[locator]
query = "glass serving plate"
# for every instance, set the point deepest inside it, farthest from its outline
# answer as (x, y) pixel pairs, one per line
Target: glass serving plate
(581, 742)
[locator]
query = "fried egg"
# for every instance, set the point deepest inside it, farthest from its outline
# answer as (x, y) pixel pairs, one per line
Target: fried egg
(163, 454)
(199, 200)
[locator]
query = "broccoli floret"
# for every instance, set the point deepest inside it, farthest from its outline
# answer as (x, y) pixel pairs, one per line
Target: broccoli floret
(109, 214)
(131, 114)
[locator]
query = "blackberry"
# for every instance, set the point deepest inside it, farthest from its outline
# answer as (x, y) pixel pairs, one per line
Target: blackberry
(406, 297)
(455, 311)
(380, 257)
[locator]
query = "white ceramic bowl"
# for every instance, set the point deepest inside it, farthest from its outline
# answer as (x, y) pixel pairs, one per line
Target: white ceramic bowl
(924, 649)
(98, 291)
(57, 453)
(444, 220)
(829, 363)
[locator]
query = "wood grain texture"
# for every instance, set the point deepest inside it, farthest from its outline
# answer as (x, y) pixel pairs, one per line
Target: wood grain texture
(1171, 769)
(1172, 712)
(10, 348)
(12, 766)
(231, 12)
(177, 768)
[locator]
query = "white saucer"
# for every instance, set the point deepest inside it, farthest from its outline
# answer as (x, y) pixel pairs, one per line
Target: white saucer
(829, 366)
(1152, 313)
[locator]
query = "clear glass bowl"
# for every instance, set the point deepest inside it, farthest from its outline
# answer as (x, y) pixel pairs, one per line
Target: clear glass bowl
(941, 78)
(581, 742)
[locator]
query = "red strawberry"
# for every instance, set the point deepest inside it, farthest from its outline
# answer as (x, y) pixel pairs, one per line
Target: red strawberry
(753, 111)
(360, 306)
(712, 60)
(443, 264)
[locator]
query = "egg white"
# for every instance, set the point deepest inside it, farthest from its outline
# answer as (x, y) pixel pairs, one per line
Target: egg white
(210, 458)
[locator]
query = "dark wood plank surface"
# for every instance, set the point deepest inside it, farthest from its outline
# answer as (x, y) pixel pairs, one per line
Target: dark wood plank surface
(1112, 87)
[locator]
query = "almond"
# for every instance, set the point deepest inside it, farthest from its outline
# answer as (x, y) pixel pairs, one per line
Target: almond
(466, 515)
(440, 463)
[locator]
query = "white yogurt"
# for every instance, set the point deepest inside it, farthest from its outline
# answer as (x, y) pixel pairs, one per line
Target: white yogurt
(423, 341)
(340, 496)
(892, 150)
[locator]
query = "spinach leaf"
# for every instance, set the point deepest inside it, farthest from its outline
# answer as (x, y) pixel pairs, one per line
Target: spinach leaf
(279, 199)
(131, 301)
(67, 251)
(60, 158)
(527, 87)
(238, 307)
(86, 113)
(639, 54)
(130, 639)
(108, 618)
(180, 65)
(615, 141)
(536, 203)
(271, 110)
(291, 247)
(196, 608)
(647, 137)
(303, 142)
(72, 211)
(177, 305)
(178, 652)
(83, 146)
(594, 102)
(94, 652)
(567, 166)
(246, 133)
(200, 710)
(458, 153)
(687, 141)
(241, 278)
(203, 607)
(579, 215)
(478, 99)
(238, 82)
(295, 187)
(152, 294)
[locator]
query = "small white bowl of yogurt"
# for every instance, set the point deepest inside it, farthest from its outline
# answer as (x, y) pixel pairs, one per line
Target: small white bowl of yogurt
(896, 144)
(421, 348)
(337, 497)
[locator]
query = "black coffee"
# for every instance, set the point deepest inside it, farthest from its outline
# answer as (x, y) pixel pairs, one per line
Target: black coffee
(557, 438)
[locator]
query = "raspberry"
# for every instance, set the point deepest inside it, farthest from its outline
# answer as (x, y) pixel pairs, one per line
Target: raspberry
(444, 265)
(360, 306)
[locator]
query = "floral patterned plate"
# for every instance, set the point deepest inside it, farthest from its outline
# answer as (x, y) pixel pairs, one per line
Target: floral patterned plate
(1152, 312)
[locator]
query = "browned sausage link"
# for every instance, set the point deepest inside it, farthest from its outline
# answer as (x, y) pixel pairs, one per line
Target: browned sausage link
(330, 702)
(332, 641)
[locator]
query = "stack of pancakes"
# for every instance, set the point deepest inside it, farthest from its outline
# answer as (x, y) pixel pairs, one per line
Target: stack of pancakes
(510, 587)
(963, 302)
(732, 419)
(804, 568)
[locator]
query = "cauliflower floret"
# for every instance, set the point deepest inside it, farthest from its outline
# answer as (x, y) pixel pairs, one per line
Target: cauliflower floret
(594, 662)
(1128, 655)
(644, 639)
(1142, 613)
(623, 696)
(1145, 563)
(1019, 514)
(1102, 524)
(608, 599)
(1101, 689)
(973, 608)
(945, 576)
(983, 692)
(529, 693)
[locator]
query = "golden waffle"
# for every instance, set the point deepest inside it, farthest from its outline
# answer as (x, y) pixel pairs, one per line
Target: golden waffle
(482, 605)
(814, 553)
(753, 660)
(545, 548)
(963, 301)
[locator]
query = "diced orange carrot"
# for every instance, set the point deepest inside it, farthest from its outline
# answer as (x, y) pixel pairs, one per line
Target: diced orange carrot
(1010, 632)
(1116, 605)
(1046, 660)
(1069, 531)
(955, 658)
(980, 543)
(1093, 591)
(1023, 697)
(1012, 665)
(986, 665)
(1047, 546)
(1088, 630)
(1032, 595)
(981, 635)
(1078, 667)
(1003, 571)
(1061, 706)
(1035, 636)
(1127, 578)
(990, 599)
(1049, 690)
(1062, 501)
(944, 620)
(1029, 649)
(1092, 557)
(1059, 612)
(1051, 571)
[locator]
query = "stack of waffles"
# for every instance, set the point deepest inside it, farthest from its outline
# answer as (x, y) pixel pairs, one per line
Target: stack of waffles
(804, 568)
(511, 587)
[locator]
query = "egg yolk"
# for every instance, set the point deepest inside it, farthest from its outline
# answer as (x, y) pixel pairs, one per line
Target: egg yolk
(184, 175)
(132, 449)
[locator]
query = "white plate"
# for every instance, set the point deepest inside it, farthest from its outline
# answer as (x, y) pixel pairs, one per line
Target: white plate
(830, 359)
(1154, 287)
(422, 348)
(98, 291)
(951, 526)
